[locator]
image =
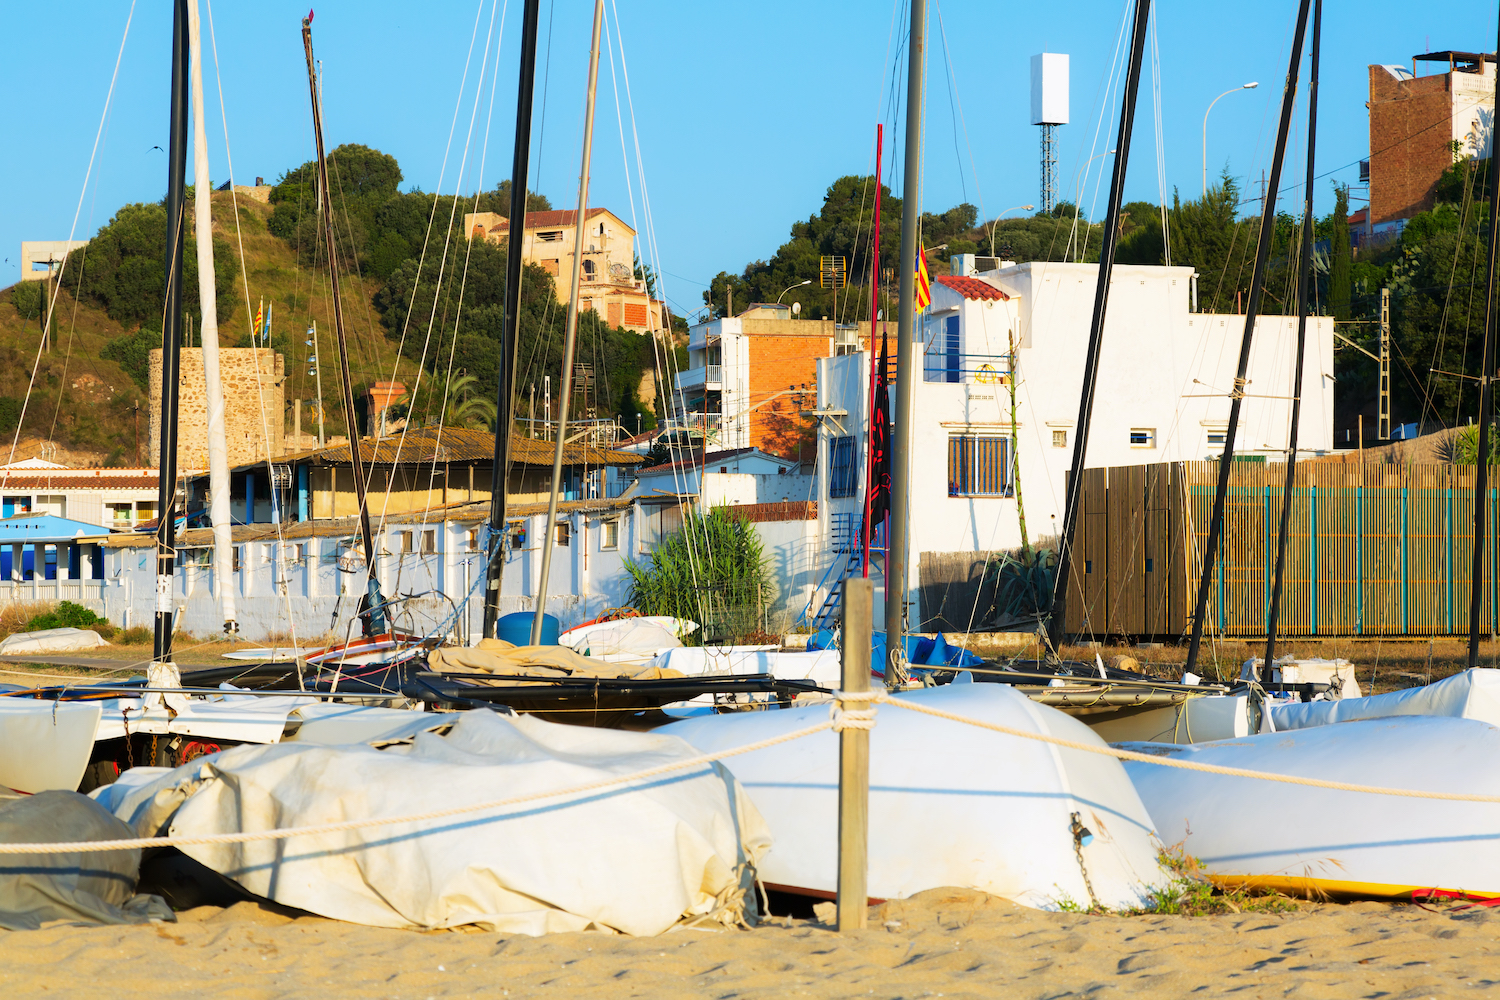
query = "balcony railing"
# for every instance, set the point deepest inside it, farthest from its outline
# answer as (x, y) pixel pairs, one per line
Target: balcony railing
(982, 369)
(708, 376)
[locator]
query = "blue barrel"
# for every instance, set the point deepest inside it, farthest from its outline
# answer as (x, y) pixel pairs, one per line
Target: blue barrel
(515, 628)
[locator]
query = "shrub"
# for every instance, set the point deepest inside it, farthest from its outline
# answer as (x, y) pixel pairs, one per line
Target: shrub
(713, 572)
(27, 298)
(136, 635)
(65, 615)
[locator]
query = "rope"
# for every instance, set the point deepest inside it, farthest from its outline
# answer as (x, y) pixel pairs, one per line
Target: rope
(841, 718)
(245, 837)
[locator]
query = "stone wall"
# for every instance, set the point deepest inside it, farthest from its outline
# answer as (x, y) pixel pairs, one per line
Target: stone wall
(246, 397)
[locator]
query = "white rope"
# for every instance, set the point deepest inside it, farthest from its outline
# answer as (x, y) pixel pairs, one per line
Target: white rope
(842, 718)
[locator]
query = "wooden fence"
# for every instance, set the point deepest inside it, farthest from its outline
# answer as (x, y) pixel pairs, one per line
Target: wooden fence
(1372, 550)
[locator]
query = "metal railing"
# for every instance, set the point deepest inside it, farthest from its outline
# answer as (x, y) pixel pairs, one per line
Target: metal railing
(706, 375)
(981, 369)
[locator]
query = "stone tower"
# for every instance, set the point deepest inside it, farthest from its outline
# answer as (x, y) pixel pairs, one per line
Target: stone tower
(254, 406)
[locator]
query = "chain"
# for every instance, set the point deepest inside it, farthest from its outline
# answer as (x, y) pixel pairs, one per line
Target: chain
(1079, 833)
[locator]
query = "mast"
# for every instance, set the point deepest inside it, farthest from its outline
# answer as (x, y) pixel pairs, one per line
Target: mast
(1058, 621)
(1481, 471)
(171, 341)
(208, 340)
(874, 301)
(1304, 303)
(570, 338)
(374, 603)
(1252, 309)
(906, 368)
(511, 336)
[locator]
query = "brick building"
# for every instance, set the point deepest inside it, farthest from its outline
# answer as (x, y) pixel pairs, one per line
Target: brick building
(1415, 122)
(608, 284)
(749, 377)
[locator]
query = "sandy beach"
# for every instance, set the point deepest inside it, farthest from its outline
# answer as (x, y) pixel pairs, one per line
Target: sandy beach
(945, 942)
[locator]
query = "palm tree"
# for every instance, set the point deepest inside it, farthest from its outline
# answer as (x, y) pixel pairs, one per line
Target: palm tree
(463, 406)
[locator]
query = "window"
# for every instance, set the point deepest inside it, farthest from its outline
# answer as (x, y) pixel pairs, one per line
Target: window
(235, 559)
(550, 236)
(564, 532)
(952, 351)
(635, 314)
(429, 542)
(842, 476)
(979, 466)
(1059, 439)
(407, 541)
(1143, 437)
(549, 265)
(1216, 438)
(471, 540)
(609, 535)
(588, 270)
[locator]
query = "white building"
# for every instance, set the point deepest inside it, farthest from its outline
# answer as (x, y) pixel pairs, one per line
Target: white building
(1162, 396)
(110, 498)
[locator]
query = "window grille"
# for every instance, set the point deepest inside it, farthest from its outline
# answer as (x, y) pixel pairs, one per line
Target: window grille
(980, 466)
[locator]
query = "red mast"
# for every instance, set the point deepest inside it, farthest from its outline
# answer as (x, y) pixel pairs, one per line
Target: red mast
(874, 292)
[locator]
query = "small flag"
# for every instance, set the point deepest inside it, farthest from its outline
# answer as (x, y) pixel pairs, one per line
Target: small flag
(924, 282)
(266, 334)
(260, 319)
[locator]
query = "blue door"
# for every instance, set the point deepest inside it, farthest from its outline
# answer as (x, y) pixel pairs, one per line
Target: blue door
(952, 347)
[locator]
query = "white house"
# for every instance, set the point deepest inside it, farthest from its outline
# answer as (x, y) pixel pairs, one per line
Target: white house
(109, 498)
(1165, 375)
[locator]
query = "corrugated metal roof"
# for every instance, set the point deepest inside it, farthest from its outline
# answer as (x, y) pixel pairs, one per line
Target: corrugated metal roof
(455, 444)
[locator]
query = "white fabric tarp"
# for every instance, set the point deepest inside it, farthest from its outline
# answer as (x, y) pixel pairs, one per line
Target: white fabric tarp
(635, 858)
(950, 804)
(1305, 839)
(51, 640)
(1472, 694)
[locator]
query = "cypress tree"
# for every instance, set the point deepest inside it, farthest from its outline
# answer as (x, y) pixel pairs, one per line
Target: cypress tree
(1340, 284)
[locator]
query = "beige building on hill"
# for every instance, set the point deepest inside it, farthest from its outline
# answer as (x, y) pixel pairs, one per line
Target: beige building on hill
(254, 406)
(608, 284)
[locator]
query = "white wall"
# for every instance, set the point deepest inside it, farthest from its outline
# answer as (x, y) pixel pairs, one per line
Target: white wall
(1162, 368)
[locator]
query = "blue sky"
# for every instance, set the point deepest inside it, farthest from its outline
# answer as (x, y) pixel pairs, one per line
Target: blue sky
(743, 113)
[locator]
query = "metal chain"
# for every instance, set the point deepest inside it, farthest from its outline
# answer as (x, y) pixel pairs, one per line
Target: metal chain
(1078, 833)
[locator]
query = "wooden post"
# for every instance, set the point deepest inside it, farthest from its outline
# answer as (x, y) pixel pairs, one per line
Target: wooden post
(854, 760)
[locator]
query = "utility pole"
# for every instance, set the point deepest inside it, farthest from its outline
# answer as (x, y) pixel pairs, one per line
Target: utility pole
(1383, 431)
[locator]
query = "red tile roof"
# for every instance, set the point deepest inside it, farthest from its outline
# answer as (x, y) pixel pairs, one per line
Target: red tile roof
(105, 482)
(546, 220)
(972, 288)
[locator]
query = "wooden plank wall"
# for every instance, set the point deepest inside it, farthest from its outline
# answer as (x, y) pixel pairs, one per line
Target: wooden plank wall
(1379, 550)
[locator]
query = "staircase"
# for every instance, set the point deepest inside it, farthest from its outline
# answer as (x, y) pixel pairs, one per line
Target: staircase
(848, 555)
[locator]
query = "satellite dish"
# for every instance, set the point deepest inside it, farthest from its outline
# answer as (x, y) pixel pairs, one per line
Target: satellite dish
(796, 308)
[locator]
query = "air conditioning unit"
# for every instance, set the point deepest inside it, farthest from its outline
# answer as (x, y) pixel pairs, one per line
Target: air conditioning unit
(987, 263)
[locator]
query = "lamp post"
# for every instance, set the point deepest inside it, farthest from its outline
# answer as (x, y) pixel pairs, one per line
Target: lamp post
(1023, 208)
(1244, 86)
(788, 288)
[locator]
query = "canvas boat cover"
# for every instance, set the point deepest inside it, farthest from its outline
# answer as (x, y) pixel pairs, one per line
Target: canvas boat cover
(496, 656)
(950, 804)
(51, 640)
(1305, 839)
(1472, 694)
(97, 887)
(634, 858)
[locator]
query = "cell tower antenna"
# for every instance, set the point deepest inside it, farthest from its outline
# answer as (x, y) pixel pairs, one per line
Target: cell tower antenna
(1049, 109)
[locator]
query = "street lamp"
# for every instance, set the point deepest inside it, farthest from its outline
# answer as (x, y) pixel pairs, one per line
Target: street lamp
(788, 288)
(1023, 208)
(1244, 86)
(1078, 178)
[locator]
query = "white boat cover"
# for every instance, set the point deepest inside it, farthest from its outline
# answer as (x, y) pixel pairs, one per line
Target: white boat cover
(1338, 673)
(950, 804)
(51, 640)
(46, 744)
(637, 636)
(822, 665)
(574, 638)
(1302, 839)
(634, 858)
(1472, 694)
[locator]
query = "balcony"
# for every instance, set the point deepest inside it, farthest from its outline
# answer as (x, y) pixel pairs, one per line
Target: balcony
(708, 377)
(980, 369)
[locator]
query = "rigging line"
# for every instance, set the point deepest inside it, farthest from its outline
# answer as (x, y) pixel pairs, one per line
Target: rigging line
(1103, 96)
(963, 122)
(1161, 146)
(1442, 338)
(447, 243)
(260, 390)
(952, 110)
(72, 231)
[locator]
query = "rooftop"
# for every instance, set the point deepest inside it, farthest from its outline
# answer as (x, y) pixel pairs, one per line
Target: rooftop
(971, 288)
(455, 444)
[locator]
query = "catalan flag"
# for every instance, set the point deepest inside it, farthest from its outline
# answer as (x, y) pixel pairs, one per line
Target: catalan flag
(260, 319)
(924, 282)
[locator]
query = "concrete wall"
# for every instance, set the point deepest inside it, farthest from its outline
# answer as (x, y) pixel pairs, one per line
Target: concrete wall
(254, 401)
(50, 252)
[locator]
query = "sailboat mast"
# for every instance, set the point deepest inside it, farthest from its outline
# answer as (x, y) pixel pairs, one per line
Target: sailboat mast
(1057, 623)
(1304, 303)
(1486, 375)
(874, 301)
(171, 341)
(896, 562)
(1252, 310)
(570, 338)
(511, 335)
(368, 536)
(208, 339)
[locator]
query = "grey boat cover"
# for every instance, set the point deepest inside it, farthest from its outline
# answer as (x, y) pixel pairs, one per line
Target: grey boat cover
(94, 887)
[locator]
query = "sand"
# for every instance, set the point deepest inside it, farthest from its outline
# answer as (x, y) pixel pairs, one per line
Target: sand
(946, 942)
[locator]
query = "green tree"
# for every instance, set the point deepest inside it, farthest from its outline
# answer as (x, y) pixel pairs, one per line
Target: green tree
(501, 196)
(1208, 236)
(1340, 256)
(123, 268)
(361, 180)
(133, 353)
